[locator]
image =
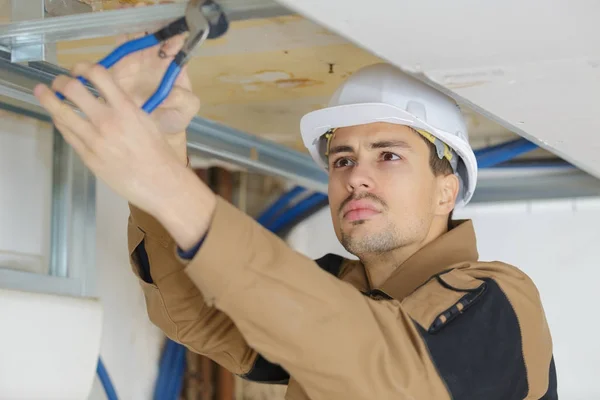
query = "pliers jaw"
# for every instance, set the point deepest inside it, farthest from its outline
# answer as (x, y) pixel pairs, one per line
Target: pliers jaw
(198, 28)
(204, 19)
(201, 17)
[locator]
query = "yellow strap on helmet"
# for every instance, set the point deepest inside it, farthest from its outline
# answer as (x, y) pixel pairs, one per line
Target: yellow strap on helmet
(448, 153)
(329, 137)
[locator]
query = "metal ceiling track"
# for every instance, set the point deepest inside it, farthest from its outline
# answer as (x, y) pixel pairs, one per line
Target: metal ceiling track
(214, 141)
(32, 33)
(205, 138)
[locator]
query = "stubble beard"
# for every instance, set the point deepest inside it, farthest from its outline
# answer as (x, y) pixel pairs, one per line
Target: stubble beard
(380, 242)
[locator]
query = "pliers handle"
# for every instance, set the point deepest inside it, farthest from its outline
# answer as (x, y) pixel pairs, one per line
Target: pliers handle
(194, 22)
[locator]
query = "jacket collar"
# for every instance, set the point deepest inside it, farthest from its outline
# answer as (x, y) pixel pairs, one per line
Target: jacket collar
(455, 246)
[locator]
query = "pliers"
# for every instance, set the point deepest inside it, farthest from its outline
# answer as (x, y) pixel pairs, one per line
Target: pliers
(200, 17)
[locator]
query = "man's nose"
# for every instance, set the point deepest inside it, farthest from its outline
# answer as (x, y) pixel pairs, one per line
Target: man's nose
(360, 178)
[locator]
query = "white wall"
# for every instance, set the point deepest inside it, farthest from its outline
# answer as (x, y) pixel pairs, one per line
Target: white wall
(130, 343)
(554, 242)
(25, 192)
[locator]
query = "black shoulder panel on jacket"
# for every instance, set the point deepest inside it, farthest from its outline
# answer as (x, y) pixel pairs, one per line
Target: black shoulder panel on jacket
(264, 371)
(479, 354)
(552, 393)
(331, 263)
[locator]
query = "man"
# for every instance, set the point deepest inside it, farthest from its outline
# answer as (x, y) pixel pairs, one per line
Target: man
(418, 317)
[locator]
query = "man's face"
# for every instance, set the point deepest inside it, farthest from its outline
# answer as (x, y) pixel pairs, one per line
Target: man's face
(382, 192)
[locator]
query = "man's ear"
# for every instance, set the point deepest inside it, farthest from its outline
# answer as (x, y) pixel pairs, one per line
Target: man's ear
(448, 186)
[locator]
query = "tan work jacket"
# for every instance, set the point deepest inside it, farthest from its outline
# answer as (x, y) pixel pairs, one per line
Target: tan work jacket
(443, 326)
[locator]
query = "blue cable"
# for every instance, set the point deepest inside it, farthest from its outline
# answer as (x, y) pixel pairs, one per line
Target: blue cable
(495, 155)
(528, 164)
(280, 204)
(166, 365)
(496, 147)
(111, 394)
(291, 215)
(175, 383)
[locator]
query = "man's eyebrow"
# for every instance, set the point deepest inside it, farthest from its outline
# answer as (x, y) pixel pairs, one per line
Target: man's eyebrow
(385, 144)
(341, 149)
(381, 144)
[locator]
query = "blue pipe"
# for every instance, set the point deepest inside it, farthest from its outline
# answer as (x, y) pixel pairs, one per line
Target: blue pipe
(536, 164)
(279, 205)
(496, 147)
(111, 394)
(495, 155)
(160, 379)
(165, 370)
(175, 384)
(292, 214)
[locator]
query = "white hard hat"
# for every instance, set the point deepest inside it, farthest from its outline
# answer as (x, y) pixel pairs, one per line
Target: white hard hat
(383, 93)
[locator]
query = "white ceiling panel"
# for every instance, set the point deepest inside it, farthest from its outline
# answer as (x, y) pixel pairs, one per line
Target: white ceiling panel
(532, 66)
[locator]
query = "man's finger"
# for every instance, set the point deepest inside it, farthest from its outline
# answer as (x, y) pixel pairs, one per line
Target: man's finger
(171, 47)
(101, 79)
(75, 142)
(62, 114)
(181, 99)
(75, 91)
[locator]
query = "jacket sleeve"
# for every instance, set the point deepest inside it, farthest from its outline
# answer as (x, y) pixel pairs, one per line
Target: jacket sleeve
(176, 306)
(341, 344)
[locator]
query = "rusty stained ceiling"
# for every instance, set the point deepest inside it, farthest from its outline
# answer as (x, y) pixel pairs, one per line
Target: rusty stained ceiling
(265, 73)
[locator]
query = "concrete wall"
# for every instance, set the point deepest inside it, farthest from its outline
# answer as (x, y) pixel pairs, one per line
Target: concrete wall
(554, 242)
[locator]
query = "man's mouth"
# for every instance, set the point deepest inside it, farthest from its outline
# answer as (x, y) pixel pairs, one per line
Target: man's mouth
(359, 210)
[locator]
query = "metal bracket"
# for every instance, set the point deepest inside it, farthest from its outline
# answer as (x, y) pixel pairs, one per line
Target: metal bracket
(34, 32)
(72, 259)
(32, 37)
(26, 11)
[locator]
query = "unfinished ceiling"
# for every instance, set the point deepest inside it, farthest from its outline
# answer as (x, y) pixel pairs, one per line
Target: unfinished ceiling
(4, 11)
(265, 73)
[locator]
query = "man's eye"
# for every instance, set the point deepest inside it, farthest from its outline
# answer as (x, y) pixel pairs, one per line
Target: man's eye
(390, 156)
(342, 162)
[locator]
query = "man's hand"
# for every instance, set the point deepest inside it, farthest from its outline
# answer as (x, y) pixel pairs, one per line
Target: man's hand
(139, 74)
(126, 149)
